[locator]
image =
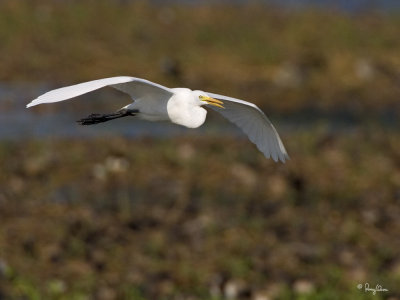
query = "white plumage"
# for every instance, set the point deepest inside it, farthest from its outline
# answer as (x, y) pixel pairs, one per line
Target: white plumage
(181, 106)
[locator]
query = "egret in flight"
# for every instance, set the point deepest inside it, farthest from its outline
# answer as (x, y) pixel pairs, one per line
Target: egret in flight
(182, 106)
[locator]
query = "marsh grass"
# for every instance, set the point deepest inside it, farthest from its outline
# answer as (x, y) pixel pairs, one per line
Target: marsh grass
(158, 219)
(262, 53)
(192, 218)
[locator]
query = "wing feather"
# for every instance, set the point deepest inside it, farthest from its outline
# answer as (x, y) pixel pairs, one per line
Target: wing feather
(254, 124)
(135, 87)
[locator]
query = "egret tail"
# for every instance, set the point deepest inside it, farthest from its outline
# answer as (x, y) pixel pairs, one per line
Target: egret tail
(100, 118)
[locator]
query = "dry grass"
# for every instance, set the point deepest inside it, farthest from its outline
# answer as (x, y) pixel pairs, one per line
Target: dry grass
(164, 219)
(312, 58)
(188, 218)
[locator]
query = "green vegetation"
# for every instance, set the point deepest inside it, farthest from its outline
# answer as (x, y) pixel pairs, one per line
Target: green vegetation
(288, 60)
(157, 218)
(204, 217)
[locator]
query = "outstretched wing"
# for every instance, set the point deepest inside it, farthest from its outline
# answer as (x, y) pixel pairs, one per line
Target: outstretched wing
(135, 87)
(255, 124)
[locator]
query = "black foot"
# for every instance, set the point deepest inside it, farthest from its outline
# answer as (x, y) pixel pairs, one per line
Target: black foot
(100, 118)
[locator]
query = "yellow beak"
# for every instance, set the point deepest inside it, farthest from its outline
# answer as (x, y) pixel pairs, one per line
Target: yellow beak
(212, 101)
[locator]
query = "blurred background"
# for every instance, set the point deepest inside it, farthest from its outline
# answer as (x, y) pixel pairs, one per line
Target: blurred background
(134, 210)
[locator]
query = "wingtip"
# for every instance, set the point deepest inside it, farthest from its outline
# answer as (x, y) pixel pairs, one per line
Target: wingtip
(33, 103)
(285, 158)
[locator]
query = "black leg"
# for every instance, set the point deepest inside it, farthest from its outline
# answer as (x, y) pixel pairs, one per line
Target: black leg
(100, 118)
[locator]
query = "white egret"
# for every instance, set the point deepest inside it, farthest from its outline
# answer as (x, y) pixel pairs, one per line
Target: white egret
(181, 106)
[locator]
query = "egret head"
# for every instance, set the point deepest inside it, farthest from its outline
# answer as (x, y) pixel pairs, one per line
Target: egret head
(205, 99)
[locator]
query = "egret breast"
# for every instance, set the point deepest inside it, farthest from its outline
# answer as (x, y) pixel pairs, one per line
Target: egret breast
(183, 109)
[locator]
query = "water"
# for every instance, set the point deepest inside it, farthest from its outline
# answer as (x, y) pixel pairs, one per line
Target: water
(59, 119)
(345, 5)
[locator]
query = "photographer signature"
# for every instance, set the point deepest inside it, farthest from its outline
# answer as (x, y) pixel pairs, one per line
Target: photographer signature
(378, 288)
